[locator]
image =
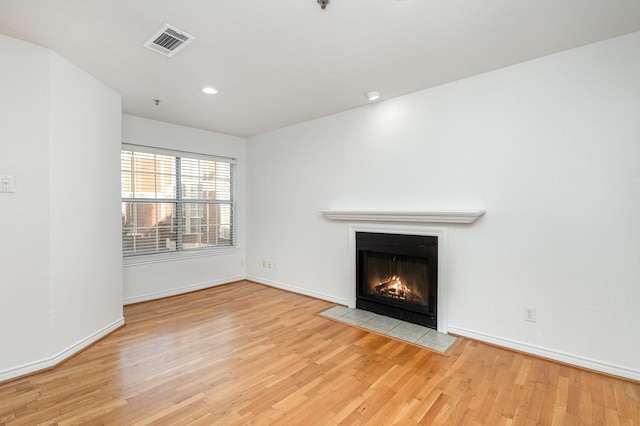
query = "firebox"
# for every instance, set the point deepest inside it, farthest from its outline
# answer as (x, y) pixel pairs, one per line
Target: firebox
(397, 276)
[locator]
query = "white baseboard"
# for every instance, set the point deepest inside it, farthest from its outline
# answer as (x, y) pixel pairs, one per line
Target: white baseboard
(579, 361)
(299, 290)
(56, 359)
(180, 290)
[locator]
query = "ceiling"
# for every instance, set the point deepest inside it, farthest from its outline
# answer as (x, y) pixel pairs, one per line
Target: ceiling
(282, 62)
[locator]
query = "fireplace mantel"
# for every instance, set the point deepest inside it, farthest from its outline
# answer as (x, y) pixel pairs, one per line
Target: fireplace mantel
(424, 216)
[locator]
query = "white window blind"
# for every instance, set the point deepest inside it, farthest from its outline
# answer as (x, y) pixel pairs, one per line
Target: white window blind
(175, 202)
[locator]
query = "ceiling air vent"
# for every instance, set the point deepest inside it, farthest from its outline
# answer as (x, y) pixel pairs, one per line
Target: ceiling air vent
(169, 40)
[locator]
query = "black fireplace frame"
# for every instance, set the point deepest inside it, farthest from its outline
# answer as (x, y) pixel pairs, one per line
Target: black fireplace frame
(424, 247)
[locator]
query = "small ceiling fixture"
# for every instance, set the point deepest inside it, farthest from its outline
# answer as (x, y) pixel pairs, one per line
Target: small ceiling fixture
(323, 3)
(372, 96)
(156, 101)
(209, 90)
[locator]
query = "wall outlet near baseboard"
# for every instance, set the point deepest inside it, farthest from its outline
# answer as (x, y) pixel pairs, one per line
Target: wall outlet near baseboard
(530, 313)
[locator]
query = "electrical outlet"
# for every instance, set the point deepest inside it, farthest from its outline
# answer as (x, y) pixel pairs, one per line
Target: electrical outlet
(241, 262)
(269, 264)
(264, 263)
(530, 313)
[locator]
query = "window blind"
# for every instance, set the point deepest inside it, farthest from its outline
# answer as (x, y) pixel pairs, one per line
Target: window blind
(175, 202)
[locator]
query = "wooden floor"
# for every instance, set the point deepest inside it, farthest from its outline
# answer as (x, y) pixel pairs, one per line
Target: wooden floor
(249, 354)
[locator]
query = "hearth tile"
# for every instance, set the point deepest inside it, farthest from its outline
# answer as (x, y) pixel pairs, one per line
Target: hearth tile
(412, 333)
(358, 316)
(336, 311)
(440, 348)
(433, 338)
(381, 324)
(409, 332)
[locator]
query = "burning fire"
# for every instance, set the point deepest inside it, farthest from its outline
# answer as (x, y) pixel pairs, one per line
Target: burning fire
(394, 288)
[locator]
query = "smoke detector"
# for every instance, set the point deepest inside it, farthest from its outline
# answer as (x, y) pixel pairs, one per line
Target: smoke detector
(169, 40)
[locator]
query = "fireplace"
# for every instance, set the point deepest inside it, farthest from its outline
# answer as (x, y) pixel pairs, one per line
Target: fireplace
(397, 276)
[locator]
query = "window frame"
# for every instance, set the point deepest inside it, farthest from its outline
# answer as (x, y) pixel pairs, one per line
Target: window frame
(180, 204)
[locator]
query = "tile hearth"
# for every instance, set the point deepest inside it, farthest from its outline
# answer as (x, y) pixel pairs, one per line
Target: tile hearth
(401, 330)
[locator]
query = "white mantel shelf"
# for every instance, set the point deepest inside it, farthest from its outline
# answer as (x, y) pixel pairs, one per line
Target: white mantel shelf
(425, 216)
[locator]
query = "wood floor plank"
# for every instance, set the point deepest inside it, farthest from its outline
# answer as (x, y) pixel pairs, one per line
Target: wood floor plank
(245, 353)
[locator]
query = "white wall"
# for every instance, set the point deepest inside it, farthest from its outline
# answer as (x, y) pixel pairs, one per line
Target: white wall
(550, 148)
(84, 199)
(24, 227)
(147, 278)
(61, 276)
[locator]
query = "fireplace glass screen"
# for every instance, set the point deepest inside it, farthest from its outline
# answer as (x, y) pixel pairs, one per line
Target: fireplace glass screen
(397, 276)
(400, 278)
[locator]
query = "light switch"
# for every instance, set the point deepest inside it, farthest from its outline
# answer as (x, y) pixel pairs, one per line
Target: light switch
(7, 183)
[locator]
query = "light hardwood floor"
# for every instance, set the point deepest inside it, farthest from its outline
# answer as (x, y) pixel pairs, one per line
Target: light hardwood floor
(244, 353)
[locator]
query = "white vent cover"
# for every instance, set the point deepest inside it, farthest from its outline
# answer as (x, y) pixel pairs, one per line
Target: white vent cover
(169, 40)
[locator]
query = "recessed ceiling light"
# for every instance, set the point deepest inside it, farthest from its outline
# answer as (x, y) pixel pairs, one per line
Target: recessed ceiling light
(372, 96)
(209, 90)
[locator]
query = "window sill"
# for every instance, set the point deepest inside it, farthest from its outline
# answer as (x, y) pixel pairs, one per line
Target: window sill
(177, 256)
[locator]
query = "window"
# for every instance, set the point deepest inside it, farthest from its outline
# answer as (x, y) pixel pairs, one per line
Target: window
(175, 202)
